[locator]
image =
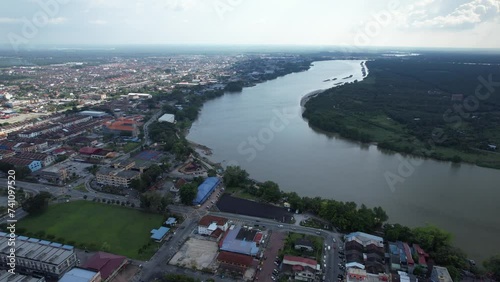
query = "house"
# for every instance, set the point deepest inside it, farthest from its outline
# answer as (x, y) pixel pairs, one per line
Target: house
(356, 275)
(209, 223)
(106, 264)
(177, 186)
(304, 244)
(440, 274)
(32, 165)
(303, 269)
(89, 151)
(6, 154)
(171, 221)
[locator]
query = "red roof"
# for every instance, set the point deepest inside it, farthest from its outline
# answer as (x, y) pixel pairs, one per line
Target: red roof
(180, 183)
(217, 232)
(420, 251)
(297, 268)
(89, 150)
(105, 263)
(409, 258)
(292, 260)
(257, 238)
(234, 258)
(208, 219)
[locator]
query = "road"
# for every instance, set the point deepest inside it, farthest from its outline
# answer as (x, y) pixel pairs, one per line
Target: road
(147, 140)
(329, 263)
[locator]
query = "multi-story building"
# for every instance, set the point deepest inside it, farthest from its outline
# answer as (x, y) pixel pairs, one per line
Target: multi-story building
(116, 177)
(9, 277)
(54, 173)
(38, 257)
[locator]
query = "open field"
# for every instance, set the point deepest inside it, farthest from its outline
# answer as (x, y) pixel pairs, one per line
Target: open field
(195, 253)
(96, 226)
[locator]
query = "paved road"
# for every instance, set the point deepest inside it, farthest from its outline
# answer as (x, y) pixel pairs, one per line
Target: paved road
(329, 263)
(147, 140)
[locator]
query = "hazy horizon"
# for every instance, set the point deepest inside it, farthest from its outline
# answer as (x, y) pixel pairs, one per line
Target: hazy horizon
(463, 24)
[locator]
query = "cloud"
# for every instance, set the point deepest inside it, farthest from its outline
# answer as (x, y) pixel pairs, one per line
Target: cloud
(9, 20)
(98, 22)
(58, 20)
(54, 21)
(448, 15)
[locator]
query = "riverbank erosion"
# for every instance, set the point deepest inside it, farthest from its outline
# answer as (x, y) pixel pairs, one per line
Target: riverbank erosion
(399, 107)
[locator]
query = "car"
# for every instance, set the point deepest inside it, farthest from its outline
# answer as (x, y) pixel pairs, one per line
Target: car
(334, 241)
(274, 278)
(280, 225)
(317, 232)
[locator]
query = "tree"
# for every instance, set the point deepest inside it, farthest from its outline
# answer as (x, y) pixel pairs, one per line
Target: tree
(155, 202)
(431, 238)
(37, 204)
(270, 191)
(234, 176)
(492, 265)
(188, 193)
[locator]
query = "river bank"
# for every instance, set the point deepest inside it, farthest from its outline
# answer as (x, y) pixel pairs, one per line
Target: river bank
(250, 130)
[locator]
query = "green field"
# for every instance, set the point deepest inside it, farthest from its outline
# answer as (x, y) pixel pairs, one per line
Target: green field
(95, 226)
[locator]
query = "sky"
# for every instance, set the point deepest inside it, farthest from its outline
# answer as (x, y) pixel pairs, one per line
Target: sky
(353, 23)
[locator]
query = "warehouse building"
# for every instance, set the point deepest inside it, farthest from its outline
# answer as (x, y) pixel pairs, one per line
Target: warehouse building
(38, 257)
(7, 276)
(205, 190)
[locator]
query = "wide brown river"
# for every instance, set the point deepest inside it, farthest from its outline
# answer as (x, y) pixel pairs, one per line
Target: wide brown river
(261, 130)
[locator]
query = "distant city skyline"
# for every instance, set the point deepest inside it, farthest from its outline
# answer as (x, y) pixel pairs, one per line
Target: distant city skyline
(357, 23)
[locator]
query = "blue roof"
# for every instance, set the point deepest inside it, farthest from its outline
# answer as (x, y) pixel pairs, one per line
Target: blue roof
(68, 247)
(24, 238)
(171, 220)
(78, 275)
(205, 189)
(56, 245)
(158, 234)
(231, 244)
(3, 234)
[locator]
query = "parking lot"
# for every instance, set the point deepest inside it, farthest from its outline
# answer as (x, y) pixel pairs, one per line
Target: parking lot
(274, 244)
(196, 253)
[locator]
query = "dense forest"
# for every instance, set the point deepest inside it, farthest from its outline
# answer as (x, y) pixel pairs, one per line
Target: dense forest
(445, 108)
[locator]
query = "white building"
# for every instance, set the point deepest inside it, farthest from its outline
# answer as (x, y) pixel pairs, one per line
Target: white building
(135, 96)
(208, 224)
(167, 118)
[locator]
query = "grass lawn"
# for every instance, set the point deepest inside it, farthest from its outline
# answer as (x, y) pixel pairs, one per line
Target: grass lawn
(98, 226)
(130, 146)
(81, 188)
(289, 248)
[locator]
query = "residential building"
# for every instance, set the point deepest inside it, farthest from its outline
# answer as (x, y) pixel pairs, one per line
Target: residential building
(360, 275)
(32, 165)
(303, 269)
(171, 221)
(45, 159)
(108, 265)
(116, 177)
(440, 274)
(365, 251)
(209, 223)
(81, 275)
(95, 114)
(6, 154)
(38, 257)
